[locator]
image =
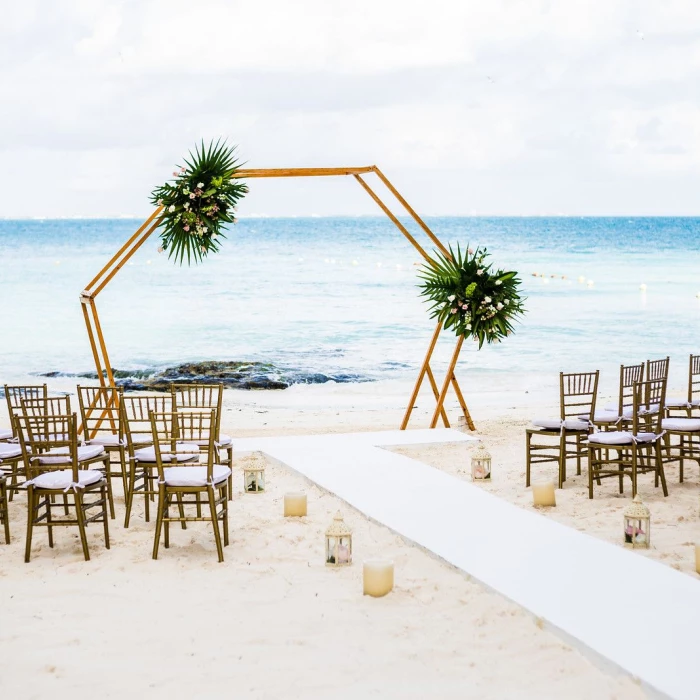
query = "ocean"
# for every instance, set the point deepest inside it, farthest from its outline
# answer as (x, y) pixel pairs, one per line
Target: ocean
(337, 298)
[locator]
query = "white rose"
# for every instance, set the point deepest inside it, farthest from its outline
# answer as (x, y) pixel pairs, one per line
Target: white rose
(205, 229)
(498, 283)
(171, 208)
(499, 306)
(186, 205)
(200, 185)
(451, 297)
(469, 326)
(487, 300)
(479, 272)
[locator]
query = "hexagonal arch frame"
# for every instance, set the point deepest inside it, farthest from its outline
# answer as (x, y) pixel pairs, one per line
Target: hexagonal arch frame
(122, 256)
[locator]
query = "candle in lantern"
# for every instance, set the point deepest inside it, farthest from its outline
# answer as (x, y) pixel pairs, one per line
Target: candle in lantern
(377, 577)
(294, 505)
(543, 494)
(697, 558)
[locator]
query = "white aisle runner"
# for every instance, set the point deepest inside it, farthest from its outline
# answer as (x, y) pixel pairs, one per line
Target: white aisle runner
(638, 614)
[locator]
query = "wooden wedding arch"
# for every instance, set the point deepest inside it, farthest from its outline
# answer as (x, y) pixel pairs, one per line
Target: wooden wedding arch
(122, 256)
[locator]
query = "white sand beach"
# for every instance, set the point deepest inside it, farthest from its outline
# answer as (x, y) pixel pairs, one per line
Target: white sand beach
(272, 620)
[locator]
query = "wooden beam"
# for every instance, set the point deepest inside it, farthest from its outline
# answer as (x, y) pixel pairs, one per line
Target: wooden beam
(299, 172)
(448, 378)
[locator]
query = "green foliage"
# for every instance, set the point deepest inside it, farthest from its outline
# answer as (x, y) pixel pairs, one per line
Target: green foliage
(199, 202)
(471, 298)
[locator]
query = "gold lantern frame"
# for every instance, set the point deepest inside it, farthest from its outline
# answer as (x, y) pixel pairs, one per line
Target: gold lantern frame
(480, 458)
(259, 481)
(338, 535)
(638, 517)
(123, 255)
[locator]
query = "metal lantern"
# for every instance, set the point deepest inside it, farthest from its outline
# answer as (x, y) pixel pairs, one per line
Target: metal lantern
(254, 478)
(481, 464)
(637, 524)
(338, 543)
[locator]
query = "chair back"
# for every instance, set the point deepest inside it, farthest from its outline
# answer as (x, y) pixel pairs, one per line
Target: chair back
(694, 379)
(629, 376)
(199, 397)
(15, 394)
(99, 410)
(54, 406)
(647, 411)
(38, 434)
(135, 419)
(577, 394)
(169, 429)
(657, 369)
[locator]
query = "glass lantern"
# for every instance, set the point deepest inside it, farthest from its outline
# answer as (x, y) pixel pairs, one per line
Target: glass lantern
(254, 479)
(338, 543)
(481, 464)
(637, 524)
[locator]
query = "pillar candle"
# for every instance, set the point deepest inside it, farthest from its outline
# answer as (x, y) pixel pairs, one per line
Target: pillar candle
(543, 494)
(294, 504)
(378, 577)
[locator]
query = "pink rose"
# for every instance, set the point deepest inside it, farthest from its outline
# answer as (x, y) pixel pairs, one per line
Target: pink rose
(191, 195)
(454, 311)
(175, 174)
(187, 228)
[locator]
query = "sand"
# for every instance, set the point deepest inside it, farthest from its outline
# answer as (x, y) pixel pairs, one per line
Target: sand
(272, 621)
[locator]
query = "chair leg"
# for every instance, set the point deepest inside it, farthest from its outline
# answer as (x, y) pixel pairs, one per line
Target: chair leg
(49, 523)
(181, 510)
(147, 482)
(122, 461)
(591, 468)
(103, 495)
(130, 492)
(80, 513)
(66, 510)
(528, 441)
(634, 471)
(225, 498)
(159, 519)
(4, 510)
(562, 460)
(682, 460)
(166, 523)
(109, 486)
(660, 468)
(30, 523)
(230, 477)
(215, 522)
(578, 454)
(199, 504)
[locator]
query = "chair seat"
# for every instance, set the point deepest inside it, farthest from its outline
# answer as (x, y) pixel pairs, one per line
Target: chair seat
(9, 451)
(688, 425)
(628, 410)
(63, 478)
(223, 441)
(108, 440)
(556, 424)
(84, 453)
(620, 437)
(194, 476)
(5, 434)
(185, 452)
(677, 403)
(603, 417)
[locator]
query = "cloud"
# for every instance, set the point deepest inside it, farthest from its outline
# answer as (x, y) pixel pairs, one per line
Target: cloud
(520, 104)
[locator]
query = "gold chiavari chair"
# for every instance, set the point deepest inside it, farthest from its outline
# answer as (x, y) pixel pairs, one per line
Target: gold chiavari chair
(207, 481)
(102, 425)
(54, 467)
(636, 451)
(14, 396)
(564, 437)
(201, 397)
(143, 474)
(87, 454)
(657, 369)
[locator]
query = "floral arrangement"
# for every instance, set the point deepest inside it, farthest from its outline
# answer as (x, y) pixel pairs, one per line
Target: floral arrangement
(470, 297)
(199, 201)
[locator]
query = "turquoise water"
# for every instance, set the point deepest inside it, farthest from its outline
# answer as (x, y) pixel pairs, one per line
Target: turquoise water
(338, 296)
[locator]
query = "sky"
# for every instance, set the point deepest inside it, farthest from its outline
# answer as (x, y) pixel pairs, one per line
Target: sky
(492, 107)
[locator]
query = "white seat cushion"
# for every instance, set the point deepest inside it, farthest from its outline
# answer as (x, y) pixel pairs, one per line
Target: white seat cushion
(676, 403)
(84, 453)
(63, 478)
(5, 434)
(621, 437)
(689, 425)
(223, 441)
(185, 453)
(555, 424)
(604, 417)
(8, 451)
(108, 440)
(194, 476)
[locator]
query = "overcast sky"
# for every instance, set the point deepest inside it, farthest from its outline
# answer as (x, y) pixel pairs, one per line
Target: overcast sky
(488, 107)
